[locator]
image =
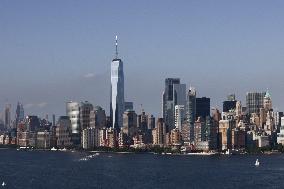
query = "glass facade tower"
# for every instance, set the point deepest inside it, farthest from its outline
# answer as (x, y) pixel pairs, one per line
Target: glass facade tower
(117, 92)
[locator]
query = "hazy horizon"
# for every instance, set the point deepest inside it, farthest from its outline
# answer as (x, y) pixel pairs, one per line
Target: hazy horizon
(52, 52)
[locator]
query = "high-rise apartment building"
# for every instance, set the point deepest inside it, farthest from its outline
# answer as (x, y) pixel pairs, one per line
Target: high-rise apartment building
(159, 133)
(117, 91)
(179, 116)
(191, 111)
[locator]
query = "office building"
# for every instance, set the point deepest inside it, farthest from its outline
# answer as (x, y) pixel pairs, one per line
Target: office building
(63, 130)
(151, 122)
(129, 123)
(277, 119)
(229, 105)
(202, 107)
(174, 94)
(142, 122)
(7, 116)
(128, 106)
(267, 102)
(98, 118)
(254, 101)
(20, 114)
(85, 109)
(117, 91)
(32, 123)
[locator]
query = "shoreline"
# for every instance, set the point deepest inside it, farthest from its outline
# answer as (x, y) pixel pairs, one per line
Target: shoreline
(149, 152)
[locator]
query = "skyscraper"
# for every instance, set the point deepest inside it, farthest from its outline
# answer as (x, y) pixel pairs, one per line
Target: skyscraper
(267, 102)
(129, 123)
(85, 110)
(117, 91)
(174, 94)
(179, 116)
(179, 94)
(20, 115)
(230, 103)
(128, 106)
(73, 111)
(7, 118)
(191, 110)
(98, 118)
(202, 107)
(254, 101)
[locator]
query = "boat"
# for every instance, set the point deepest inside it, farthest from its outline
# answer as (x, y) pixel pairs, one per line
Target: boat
(97, 154)
(53, 149)
(63, 150)
(257, 163)
(3, 184)
(228, 152)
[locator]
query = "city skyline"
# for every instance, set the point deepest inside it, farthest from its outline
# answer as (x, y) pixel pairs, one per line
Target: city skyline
(216, 54)
(175, 90)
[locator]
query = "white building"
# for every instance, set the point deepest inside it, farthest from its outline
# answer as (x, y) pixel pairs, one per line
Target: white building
(280, 135)
(179, 116)
(73, 112)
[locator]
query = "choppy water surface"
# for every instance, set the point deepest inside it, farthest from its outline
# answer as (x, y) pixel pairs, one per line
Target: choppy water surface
(45, 169)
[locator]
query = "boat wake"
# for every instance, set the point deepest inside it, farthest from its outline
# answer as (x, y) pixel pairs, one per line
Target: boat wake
(89, 157)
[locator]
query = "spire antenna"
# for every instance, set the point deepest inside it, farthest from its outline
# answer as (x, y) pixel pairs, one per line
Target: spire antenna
(116, 50)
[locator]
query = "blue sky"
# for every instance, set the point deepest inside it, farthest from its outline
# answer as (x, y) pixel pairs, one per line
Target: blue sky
(55, 51)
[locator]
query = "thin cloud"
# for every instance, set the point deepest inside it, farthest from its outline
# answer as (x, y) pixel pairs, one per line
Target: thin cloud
(35, 105)
(89, 75)
(42, 104)
(27, 106)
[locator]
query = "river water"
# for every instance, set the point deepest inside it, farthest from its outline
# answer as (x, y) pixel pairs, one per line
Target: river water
(64, 170)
